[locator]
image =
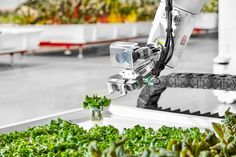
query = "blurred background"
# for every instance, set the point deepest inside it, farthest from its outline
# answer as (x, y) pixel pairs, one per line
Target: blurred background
(54, 52)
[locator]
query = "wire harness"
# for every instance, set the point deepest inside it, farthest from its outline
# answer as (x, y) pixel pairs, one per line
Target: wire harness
(167, 49)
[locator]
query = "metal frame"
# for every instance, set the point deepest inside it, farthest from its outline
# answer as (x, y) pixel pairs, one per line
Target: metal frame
(22, 52)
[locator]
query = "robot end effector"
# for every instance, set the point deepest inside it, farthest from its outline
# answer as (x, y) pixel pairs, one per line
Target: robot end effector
(137, 63)
(172, 27)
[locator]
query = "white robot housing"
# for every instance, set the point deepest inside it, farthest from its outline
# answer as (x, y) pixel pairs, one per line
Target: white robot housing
(185, 16)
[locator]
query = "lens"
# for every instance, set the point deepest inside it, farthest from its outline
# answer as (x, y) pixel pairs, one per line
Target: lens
(119, 58)
(127, 57)
(124, 57)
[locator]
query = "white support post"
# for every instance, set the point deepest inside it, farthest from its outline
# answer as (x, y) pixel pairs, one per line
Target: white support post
(227, 31)
(80, 55)
(227, 47)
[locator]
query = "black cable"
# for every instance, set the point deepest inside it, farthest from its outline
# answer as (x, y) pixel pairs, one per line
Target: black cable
(172, 51)
(169, 37)
(168, 49)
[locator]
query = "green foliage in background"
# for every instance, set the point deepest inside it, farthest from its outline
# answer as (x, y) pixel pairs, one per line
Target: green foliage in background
(86, 11)
(211, 6)
(80, 11)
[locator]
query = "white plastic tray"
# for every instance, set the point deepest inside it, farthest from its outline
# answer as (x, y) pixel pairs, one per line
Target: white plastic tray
(124, 30)
(143, 28)
(15, 39)
(82, 33)
(121, 117)
(10, 42)
(207, 21)
(71, 33)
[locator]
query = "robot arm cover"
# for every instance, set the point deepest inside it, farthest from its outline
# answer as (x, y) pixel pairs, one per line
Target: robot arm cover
(184, 19)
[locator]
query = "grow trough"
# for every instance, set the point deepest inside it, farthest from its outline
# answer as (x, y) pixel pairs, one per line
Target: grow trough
(207, 21)
(143, 28)
(124, 30)
(84, 33)
(67, 33)
(15, 39)
(120, 117)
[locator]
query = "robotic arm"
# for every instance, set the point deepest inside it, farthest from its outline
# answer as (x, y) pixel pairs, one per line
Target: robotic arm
(172, 27)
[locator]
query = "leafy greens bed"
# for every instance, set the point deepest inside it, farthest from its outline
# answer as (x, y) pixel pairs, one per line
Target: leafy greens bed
(64, 139)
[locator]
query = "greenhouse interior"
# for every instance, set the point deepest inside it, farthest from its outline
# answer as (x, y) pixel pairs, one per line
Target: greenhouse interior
(117, 78)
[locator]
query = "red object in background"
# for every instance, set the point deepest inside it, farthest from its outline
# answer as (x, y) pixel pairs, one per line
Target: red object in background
(198, 31)
(69, 45)
(55, 20)
(76, 10)
(103, 19)
(87, 18)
